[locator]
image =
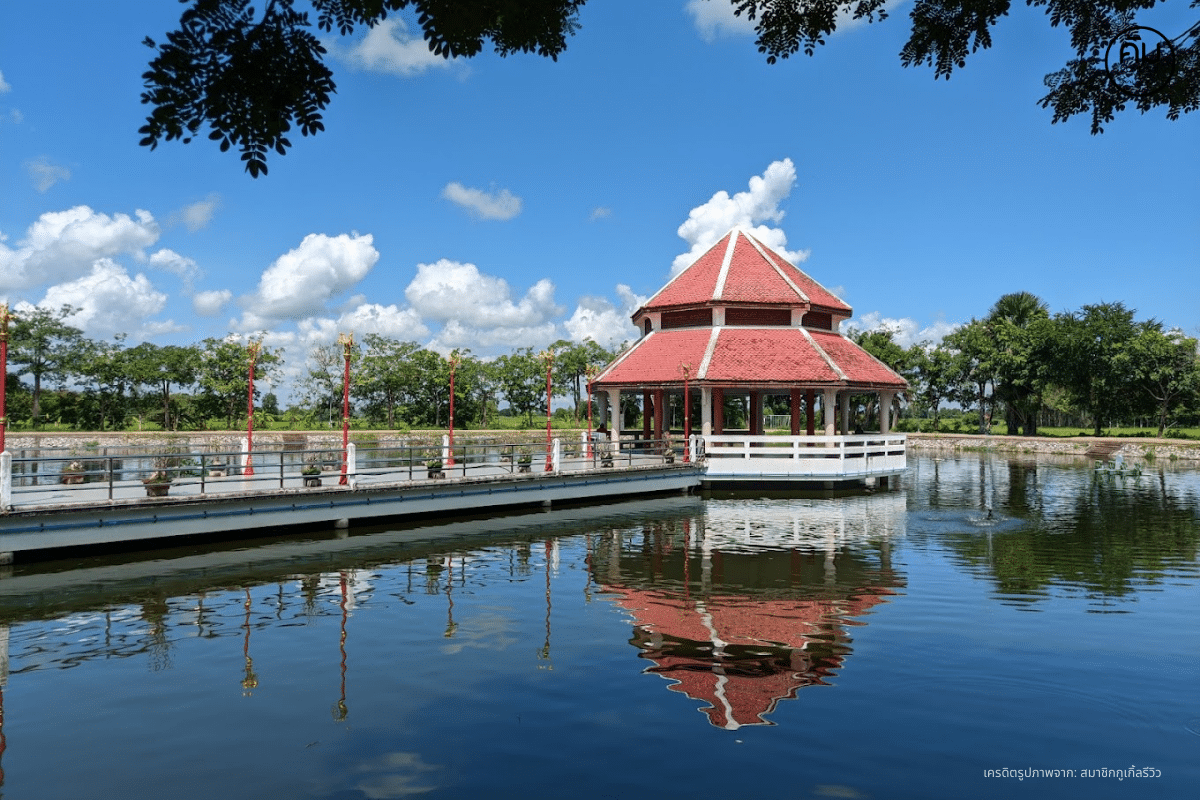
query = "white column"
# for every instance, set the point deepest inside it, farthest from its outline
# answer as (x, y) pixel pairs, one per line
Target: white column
(614, 402)
(5, 481)
(352, 461)
(885, 411)
(845, 412)
(829, 409)
(706, 411)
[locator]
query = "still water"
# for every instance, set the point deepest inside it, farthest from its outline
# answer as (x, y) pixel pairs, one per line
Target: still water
(889, 645)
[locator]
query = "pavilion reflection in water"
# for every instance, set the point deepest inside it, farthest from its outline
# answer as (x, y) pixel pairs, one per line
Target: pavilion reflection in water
(747, 604)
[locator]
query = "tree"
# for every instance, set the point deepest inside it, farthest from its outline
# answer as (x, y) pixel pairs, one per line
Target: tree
(523, 381)
(106, 365)
(1093, 358)
(322, 385)
(247, 78)
(387, 375)
(936, 371)
(974, 354)
(223, 376)
(162, 367)
(1017, 325)
(1168, 368)
(46, 346)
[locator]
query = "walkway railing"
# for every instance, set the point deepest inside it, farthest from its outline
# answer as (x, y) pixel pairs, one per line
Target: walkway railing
(818, 457)
(61, 476)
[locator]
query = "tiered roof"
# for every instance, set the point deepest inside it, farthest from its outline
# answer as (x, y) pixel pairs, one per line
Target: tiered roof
(741, 272)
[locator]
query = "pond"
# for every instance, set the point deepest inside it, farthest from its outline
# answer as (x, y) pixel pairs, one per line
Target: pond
(1012, 615)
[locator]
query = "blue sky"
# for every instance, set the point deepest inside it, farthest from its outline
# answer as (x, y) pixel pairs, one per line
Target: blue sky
(497, 203)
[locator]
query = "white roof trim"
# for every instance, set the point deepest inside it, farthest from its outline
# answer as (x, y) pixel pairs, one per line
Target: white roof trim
(702, 373)
(617, 361)
(828, 359)
(724, 273)
(771, 262)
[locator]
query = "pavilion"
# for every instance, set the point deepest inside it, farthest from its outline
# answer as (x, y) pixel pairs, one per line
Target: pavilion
(743, 322)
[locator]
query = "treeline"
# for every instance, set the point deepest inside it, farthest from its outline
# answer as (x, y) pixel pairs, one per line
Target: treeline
(1097, 367)
(59, 376)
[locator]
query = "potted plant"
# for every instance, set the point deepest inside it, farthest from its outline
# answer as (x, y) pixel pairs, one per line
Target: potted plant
(524, 461)
(311, 473)
(433, 468)
(158, 482)
(72, 473)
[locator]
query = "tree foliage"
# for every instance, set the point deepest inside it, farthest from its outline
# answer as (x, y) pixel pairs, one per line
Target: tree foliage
(45, 347)
(248, 79)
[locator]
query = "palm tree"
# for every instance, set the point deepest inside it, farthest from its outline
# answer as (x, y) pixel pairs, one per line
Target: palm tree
(1016, 324)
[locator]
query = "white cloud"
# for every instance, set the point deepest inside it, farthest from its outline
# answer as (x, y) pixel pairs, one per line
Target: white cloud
(905, 331)
(16, 117)
(707, 223)
(713, 19)
(502, 205)
(63, 245)
(491, 341)
(600, 212)
(450, 290)
(302, 281)
(170, 261)
(391, 49)
(596, 318)
(108, 301)
(198, 214)
(44, 174)
(4, 85)
(403, 324)
(209, 304)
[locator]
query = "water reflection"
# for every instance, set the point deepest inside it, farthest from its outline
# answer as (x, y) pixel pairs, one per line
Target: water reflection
(1058, 528)
(746, 604)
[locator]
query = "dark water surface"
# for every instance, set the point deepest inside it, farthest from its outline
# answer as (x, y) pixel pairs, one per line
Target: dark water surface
(896, 644)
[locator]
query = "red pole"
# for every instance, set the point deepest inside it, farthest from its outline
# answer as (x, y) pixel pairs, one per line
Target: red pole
(548, 356)
(454, 362)
(253, 347)
(590, 376)
(347, 342)
(687, 417)
(4, 320)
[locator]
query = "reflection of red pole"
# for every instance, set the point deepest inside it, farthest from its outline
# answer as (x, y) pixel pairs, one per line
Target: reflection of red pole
(253, 347)
(4, 320)
(347, 343)
(548, 356)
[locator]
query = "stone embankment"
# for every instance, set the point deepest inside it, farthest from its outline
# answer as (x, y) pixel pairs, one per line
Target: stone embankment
(1098, 447)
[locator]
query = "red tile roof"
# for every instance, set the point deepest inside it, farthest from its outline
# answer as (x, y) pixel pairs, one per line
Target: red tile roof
(750, 272)
(749, 356)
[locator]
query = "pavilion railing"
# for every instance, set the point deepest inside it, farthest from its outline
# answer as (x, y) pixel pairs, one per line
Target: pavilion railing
(816, 456)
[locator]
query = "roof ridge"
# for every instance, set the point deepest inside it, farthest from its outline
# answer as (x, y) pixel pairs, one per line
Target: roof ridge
(723, 275)
(682, 272)
(828, 358)
(759, 246)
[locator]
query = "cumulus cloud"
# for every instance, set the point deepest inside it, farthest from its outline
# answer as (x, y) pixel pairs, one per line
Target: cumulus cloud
(391, 49)
(108, 301)
(45, 174)
(198, 214)
(4, 85)
(301, 282)
(170, 261)
(63, 245)
(707, 223)
(403, 324)
(502, 205)
(715, 19)
(209, 304)
(451, 290)
(905, 331)
(596, 318)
